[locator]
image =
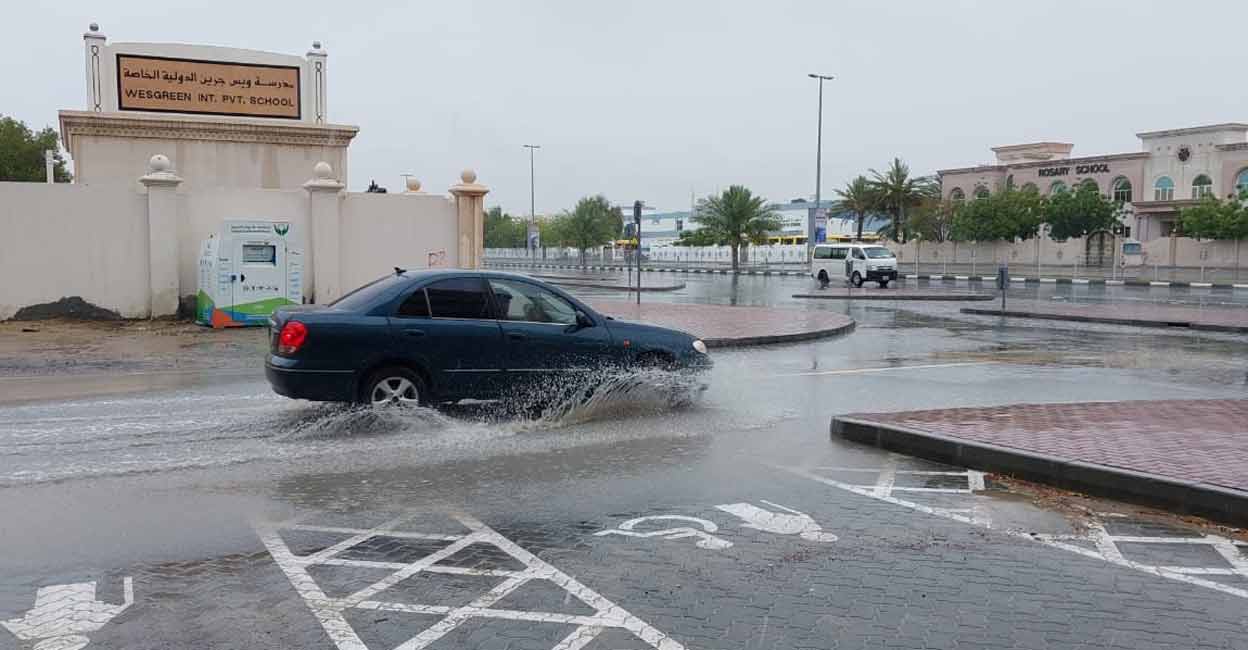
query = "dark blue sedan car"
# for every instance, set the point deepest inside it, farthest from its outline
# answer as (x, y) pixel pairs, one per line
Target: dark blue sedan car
(430, 337)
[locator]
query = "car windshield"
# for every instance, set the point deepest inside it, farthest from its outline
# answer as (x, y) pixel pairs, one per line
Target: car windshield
(367, 294)
(878, 252)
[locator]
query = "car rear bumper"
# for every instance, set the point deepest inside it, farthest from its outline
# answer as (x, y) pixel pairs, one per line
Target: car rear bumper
(315, 385)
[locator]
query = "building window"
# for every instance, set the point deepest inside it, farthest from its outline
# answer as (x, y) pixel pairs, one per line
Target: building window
(1056, 187)
(1030, 187)
(1170, 228)
(1202, 186)
(1009, 182)
(1241, 182)
(981, 192)
(1163, 189)
(1088, 182)
(957, 195)
(1122, 190)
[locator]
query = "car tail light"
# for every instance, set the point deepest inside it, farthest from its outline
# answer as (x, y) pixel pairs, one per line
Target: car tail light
(292, 337)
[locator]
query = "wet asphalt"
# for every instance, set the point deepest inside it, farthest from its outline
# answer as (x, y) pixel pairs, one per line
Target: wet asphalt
(246, 520)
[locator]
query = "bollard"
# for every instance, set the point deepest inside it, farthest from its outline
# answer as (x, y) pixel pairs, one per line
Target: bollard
(1003, 282)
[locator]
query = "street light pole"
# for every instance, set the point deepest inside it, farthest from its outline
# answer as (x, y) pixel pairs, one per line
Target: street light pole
(528, 235)
(810, 225)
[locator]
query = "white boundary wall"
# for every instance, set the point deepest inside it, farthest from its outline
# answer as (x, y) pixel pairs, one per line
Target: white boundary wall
(135, 251)
(56, 241)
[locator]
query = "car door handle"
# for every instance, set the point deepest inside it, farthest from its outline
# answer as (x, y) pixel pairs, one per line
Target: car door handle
(517, 336)
(414, 333)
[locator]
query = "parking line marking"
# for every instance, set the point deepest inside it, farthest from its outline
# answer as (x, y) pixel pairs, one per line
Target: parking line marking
(330, 611)
(860, 371)
(1106, 544)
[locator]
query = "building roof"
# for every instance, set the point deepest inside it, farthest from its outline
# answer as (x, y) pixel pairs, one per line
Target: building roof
(1044, 163)
(1226, 126)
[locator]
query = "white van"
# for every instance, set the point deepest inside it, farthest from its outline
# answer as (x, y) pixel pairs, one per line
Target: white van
(857, 263)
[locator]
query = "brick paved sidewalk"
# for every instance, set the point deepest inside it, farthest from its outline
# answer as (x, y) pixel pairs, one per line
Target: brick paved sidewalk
(1187, 454)
(1231, 319)
(726, 326)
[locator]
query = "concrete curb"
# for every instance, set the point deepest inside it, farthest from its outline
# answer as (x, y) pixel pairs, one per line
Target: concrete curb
(1082, 281)
(935, 297)
(1137, 322)
(1223, 504)
(776, 339)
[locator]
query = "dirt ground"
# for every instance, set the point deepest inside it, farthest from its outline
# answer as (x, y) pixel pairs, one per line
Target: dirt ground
(62, 347)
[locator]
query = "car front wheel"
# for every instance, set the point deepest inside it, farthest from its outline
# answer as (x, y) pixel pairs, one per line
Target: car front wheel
(394, 386)
(856, 279)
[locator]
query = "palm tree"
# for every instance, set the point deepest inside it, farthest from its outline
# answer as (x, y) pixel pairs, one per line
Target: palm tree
(897, 190)
(859, 197)
(737, 217)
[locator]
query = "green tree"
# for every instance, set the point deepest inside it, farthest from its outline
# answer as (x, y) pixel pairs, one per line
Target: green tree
(896, 191)
(1214, 218)
(593, 222)
(859, 197)
(1079, 213)
(699, 237)
(737, 217)
(1006, 215)
(503, 230)
(932, 220)
(21, 153)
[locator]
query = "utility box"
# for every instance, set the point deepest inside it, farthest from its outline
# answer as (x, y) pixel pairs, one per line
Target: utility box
(246, 270)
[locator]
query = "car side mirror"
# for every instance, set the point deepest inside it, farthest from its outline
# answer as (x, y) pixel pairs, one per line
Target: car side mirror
(583, 320)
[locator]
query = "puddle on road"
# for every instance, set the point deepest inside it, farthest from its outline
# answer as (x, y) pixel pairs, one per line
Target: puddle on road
(220, 427)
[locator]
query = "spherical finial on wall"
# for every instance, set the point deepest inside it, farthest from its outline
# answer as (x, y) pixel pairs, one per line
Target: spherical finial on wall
(316, 45)
(413, 184)
(322, 171)
(468, 176)
(95, 27)
(159, 163)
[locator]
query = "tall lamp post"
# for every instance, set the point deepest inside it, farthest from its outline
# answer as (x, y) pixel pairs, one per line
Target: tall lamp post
(810, 222)
(528, 234)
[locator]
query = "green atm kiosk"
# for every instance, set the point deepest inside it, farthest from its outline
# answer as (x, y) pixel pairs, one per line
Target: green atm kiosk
(246, 270)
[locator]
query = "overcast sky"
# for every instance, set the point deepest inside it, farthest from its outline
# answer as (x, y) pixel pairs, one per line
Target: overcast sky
(653, 100)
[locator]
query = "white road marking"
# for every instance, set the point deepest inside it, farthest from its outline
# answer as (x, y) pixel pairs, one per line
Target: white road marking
(330, 611)
(1106, 545)
(705, 539)
(887, 477)
(794, 523)
(859, 371)
(62, 614)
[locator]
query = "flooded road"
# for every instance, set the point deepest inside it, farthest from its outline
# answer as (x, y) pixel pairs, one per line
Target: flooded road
(224, 502)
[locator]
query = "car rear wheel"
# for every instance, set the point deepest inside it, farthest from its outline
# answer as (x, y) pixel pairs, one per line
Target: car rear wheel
(883, 284)
(823, 279)
(394, 386)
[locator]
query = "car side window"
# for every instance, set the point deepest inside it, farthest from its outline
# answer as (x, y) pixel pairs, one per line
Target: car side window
(839, 253)
(858, 254)
(521, 301)
(823, 253)
(458, 298)
(416, 306)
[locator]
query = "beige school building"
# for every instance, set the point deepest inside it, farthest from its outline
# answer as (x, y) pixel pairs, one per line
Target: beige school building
(1174, 168)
